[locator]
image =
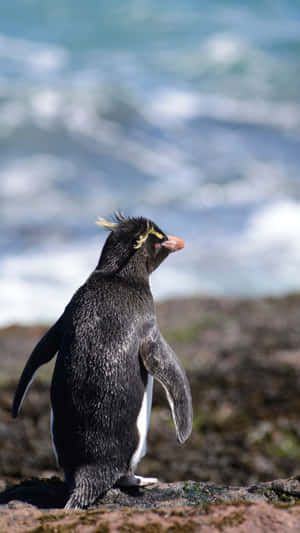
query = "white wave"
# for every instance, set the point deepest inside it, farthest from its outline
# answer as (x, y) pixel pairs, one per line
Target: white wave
(36, 287)
(224, 49)
(39, 57)
(46, 105)
(13, 114)
(42, 189)
(263, 259)
(258, 181)
(178, 186)
(106, 136)
(27, 176)
(277, 225)
(172, 281)
(218, 53)
(270, 247)
(227, 58)
(173, 106)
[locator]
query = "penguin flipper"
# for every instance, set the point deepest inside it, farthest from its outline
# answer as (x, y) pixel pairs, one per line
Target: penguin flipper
(161, 362)
(42, 353)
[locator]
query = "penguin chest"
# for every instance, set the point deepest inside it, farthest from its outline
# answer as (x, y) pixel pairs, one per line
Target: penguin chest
(142, 424)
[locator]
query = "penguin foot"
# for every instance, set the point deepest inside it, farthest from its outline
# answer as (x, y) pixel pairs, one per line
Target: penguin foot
(136, 481)
(76, 502)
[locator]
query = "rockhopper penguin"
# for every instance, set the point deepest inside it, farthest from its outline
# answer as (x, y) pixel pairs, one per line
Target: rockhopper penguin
(109, 350)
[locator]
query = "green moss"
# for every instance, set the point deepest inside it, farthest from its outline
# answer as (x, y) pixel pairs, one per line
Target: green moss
(53, 528)
(103, 528)
(192, 331)
(45, 372)
(44, 528)
(238, 501)
(47, 517)
(182, 335)
(86, 519)
(284, 445)
(155, 527)
(64, 526)
(5, 381)
(290, 298)
(89, 518)
(179, 527)
(202, 494)
(41, 529)
(286, 502)
(200, 420)
(236, 518)
(151, 527)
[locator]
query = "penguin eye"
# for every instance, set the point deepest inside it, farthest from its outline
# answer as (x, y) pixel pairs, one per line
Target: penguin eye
(158, 242)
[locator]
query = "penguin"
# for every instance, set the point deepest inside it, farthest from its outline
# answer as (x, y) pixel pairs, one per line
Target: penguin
(109, 349)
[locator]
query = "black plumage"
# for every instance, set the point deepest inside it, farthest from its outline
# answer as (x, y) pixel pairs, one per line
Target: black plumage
(108, 342)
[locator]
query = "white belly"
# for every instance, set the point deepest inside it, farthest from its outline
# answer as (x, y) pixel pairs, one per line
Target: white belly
(143, 424)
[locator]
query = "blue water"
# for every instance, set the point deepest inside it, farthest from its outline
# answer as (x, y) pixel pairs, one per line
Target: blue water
(186, 112)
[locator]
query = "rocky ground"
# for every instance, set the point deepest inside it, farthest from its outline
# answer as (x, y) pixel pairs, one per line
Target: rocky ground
(35, 506)
(243, 362)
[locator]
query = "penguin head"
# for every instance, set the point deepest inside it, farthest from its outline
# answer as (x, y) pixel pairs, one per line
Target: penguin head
(135, 245)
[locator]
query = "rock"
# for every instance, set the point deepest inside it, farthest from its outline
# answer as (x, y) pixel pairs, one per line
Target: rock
(185, 507)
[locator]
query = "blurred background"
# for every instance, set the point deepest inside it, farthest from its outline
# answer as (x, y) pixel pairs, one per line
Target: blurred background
(185, 112)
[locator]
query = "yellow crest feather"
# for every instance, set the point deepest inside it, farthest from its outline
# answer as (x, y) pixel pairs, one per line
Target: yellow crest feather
(156, 233)
(144, 237)
(111, 226)
(106, 224)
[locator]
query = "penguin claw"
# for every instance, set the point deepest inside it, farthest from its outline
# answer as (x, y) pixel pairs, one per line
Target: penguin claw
(136, 481)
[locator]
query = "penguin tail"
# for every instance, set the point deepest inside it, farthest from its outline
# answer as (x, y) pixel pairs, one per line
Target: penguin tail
(90, 482)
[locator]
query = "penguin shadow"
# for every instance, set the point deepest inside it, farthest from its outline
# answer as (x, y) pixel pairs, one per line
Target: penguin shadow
(53, 493)
(42, 493)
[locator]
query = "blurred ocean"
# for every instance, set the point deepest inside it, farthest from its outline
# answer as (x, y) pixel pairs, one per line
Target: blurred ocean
(185, 112)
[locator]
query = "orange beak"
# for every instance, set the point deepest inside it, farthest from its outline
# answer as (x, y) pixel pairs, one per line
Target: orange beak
(173, 243)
